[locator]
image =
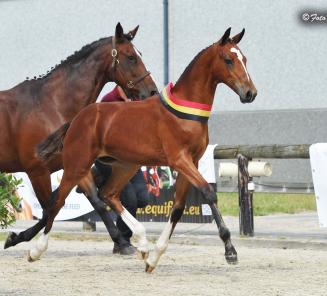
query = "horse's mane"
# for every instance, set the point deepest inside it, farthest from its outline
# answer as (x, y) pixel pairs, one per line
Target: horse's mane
(77, 56)
(190, 65)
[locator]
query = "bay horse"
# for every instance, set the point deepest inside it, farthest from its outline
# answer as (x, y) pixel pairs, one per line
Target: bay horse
(174, 132)
(35, 108)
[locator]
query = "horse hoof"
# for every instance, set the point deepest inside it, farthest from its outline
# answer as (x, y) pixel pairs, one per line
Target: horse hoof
(29, 258)
(231, 257)
(10, 240)
(142, 255)
(148, 268)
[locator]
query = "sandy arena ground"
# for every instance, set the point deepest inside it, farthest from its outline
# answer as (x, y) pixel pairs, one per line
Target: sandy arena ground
(89, 268)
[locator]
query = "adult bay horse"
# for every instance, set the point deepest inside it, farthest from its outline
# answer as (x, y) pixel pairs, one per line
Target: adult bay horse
(174, 132)
(35, 108)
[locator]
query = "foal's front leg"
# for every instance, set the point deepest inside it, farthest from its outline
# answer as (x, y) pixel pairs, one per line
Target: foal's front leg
(110, 192)
(58, 200)
(182, 187)
(186, 166)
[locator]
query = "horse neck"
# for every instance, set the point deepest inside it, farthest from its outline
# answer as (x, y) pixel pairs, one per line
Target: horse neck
(197, 83)
(79, 84)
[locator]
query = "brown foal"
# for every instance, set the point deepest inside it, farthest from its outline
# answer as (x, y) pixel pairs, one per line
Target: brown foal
(174, 132)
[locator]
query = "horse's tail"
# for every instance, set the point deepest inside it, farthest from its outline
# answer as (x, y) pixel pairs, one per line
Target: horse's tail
(53, 144)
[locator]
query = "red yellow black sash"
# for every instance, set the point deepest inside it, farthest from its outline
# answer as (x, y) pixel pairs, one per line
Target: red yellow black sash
(184, 109)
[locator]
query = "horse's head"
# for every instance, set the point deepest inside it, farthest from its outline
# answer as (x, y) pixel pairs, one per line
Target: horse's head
(127, 68)
(231, 67)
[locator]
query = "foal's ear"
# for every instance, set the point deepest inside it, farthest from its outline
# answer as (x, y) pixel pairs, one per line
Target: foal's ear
(131, 34)
(119, 34)
(223, 40)
(237, 38)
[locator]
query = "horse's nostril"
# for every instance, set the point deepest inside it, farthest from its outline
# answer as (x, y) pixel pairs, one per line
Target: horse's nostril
(154, 92)
(254, 95)
(249, 95)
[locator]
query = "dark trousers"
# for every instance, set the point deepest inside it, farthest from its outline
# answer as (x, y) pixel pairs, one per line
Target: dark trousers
(133, 196)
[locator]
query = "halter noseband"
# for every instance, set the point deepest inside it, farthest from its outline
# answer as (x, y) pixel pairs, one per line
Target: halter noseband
(114, 54)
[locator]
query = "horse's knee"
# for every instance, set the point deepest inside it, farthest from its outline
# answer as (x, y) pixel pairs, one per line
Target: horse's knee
(112, 199)
(209, 194)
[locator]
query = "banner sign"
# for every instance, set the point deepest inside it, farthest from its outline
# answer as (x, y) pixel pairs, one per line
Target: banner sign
(76, 204)
(158, 210)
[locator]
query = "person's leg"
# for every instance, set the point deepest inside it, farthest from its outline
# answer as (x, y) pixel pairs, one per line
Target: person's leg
(101, 172)
(141, 190)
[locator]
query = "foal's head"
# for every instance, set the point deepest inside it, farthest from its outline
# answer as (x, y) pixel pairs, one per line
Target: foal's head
(231, 67)
(127, 68)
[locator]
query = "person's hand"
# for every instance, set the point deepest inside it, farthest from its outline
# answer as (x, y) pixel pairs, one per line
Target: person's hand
(122, 94)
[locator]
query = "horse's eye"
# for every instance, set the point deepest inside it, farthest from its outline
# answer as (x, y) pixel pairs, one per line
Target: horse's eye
(132, 58)
(228, 62)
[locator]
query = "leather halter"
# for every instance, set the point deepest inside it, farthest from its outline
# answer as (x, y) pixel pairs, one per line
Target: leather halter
(115, 61)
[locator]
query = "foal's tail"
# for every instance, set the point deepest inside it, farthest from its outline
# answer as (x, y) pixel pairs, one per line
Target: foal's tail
(53, 144)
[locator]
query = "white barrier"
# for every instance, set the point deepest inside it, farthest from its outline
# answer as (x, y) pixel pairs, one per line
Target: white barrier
(318, 160)
(255, 168)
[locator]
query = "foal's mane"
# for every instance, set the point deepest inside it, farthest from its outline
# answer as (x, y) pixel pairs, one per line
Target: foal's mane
(77, 56)
(190, 65)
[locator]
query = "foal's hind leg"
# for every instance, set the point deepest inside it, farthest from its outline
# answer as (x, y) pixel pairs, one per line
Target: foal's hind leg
(186, 166)
(59, 196)
(42, 188)
(182, 187)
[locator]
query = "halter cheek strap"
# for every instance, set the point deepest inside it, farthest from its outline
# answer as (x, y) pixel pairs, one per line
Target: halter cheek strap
(184, 109)
(114, 54)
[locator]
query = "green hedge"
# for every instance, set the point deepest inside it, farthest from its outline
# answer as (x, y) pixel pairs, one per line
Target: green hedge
(8, 199)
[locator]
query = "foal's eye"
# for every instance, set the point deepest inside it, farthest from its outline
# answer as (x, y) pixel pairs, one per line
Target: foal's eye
(228, 62)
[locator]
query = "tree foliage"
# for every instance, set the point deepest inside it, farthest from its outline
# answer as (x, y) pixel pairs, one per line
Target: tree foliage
(9, 201)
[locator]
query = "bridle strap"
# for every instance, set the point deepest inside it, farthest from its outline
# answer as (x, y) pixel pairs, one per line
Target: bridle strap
(114, 54)
(131, 83)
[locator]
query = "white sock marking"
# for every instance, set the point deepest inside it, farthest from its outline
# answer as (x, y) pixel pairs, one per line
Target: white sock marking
(40, 247)
(137, 229)
(240, 57)
(161, 245)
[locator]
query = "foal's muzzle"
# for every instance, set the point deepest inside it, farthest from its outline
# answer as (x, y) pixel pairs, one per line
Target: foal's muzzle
(248, 97)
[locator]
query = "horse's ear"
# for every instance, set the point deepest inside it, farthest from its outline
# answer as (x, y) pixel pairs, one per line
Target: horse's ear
(237, 38)
(119, 34)
(131, 34)
(223, 40)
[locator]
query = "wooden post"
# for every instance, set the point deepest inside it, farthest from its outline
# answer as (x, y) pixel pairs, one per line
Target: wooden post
(245, 198)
